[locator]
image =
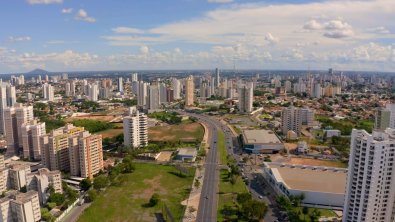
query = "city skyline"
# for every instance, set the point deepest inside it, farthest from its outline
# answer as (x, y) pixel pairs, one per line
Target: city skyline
(66, 35)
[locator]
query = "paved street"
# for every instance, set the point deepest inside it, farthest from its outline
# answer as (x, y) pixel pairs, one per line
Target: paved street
(75, 213)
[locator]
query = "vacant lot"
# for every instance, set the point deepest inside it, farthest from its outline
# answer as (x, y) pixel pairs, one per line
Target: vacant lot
(127, 202)
(185, 132)
(314, 162)
(105, 118)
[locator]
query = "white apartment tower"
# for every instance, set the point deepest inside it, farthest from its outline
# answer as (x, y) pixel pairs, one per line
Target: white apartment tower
(135, 129)
(246, 97)
(134, 77)
(120, 84)
(291, 119)
(142, 94)
(93, 92)
(14, 118)
(176, 85)
(370, 192)
(31, 133)
(48, 92)
(217, 78)
(7, 99)
(189, 91)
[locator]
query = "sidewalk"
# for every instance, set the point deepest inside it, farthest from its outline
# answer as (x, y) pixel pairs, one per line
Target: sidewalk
(192, 203)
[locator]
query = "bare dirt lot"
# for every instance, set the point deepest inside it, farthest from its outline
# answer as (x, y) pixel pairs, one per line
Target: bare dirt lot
(187, 132)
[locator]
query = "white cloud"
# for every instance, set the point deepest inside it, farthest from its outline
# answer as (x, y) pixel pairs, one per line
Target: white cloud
(127, 30)
(144, 50)
(379, 30)
(312, 25)
(270, 38)
(45, 2)
(338, 34)
(219, 1)
(13, 39)
(67, 10)
(83, 16)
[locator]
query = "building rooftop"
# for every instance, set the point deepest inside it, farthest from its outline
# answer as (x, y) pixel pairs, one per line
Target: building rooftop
(319, 180)
(187, 152)
(260, 136)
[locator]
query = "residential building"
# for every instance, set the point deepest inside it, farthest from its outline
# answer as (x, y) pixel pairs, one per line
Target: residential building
(14, 118)
(142, 94)
(307, 116)
(153, 99)
(217, 78)
(370, 193)
(134, 77)
(48, 92)
(176, 85)
(31, 133)
(120, 84)
(189, 91)
(383, 118)
(72, 149)
(17, 176)
(291, 120)
(135, 129)
(93, 92)
(7, 99)
(41, 180)
(246, 98)
(20, 207)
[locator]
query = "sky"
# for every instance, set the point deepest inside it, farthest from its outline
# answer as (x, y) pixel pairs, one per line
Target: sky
(85, 35)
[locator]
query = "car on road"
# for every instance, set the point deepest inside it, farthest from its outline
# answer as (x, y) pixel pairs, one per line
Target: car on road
(260, 197)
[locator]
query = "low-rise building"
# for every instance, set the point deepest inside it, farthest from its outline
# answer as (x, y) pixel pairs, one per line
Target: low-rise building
(331, 133)
(261, 141)
(186, 154)
(302, 147)
(321, 186)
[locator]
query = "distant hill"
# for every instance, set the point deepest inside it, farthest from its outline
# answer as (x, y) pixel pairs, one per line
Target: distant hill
(38, 72)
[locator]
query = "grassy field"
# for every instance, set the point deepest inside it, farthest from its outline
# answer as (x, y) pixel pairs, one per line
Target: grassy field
(227, 195)
(323, 213)
(188, 132)
(222, 148)
(127, 202)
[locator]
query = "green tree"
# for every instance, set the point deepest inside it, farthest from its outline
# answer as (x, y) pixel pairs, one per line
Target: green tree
(57, 198)
(305, 211)
(85, 184)
(154, 200)
(92, 195)
(100, 182)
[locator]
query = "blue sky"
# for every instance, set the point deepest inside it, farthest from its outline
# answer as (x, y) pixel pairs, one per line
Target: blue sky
(71, 35)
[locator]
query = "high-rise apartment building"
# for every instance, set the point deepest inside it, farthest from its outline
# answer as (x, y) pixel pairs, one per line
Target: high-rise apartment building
(176, 85)
(217, 78)
(370, 193)
(48, 92)
(135, 129)
(72, 149)
(382, 119)
(153, 98)
(7, 99)
(142, 94)
(189, 91)
(31, 133)
(291, 120)
(14, 118)
(120, 84)
(246, 98)
(93, 92)
(134, 77)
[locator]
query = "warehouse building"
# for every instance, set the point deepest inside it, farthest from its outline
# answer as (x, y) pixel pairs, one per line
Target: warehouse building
(261, 141)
